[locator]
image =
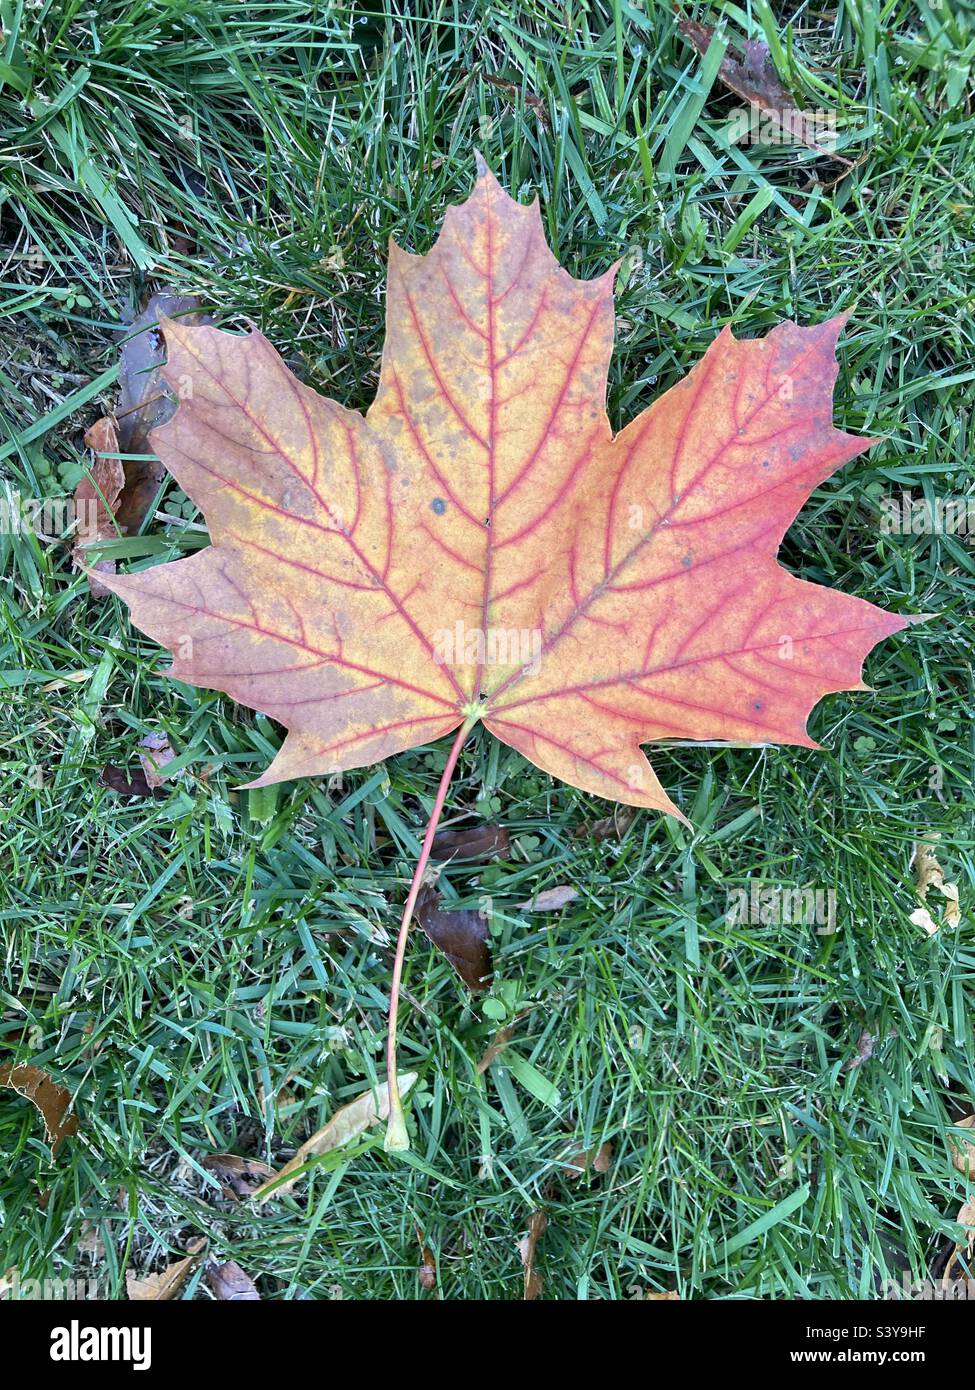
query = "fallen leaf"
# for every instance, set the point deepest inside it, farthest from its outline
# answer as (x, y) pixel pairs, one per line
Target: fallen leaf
(155, 753)
(427, 1271)
(527, 1248)
(241, 1177)
(347, 1123)
(864, 1052)
(588, 1160)
(96, 501)
(670, 1296)
(495, 1048)
(480, 547)
(146, 400)
(753, 77)
(612, 827)
(229, 1284)
(928, 874)
(966, 1218)
(164, 1286)
(51, 1101)
(462, 935)
(550, 899)
(118, 780)
(963, 1152)
(470, 844)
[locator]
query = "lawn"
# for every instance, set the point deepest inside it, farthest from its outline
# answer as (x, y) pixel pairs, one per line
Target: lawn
(207, 970)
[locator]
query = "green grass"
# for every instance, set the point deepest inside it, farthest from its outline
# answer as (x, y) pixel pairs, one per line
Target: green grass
(208, 971)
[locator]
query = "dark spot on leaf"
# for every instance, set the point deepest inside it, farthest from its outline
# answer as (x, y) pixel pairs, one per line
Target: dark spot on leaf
(439, 505)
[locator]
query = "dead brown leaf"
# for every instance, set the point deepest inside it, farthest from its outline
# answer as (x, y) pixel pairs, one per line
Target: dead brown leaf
(966, 1218)
(154, 753)
(963, 1151)
(240, 1177)
(229, 1284)
(349, 1122)
(52, 1101)
(146, 401)
(118, 780)
(928, 874)
(527, 1248)
(164, 1286)
(550, 899)
(753, 78)
(427, 1270)
(588, 1161)
(96, 502)
(461, 934)
(495, 1047)
(476, 843)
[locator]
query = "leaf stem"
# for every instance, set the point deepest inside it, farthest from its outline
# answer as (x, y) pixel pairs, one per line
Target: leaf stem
(397, 1138)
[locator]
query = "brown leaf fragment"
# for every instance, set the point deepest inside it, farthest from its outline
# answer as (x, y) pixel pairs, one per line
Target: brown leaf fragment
(595, 1160)
(462, 935)
(240, 1177)
(229, 1284)
(476, 843)
(966, 1218)
(612, 827)
(164, 1286)
(146, 401)
(668, 1296)
(347, 1123)
(527, 1248)
(96, 502)
(753, 78)
(495, 1047)
(864, 1052)
(963, 1151)
(550, 899)
(154, 753)
(51, 1100)
(928, 874)
(427, 1270)
(118, 780)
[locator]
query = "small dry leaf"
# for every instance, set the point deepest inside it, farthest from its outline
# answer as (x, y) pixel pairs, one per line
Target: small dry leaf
(96, 502)
(963, 1152)
(527, 1247)
(146, 401)
(229, 1284)
(495, 1047)
(427, 1271)
(753, 77)
(154, 753)
(550, 899)
(928, 874)
(241, 1177)
(349, 1122)
(164, 1286)
(864, 1052)
(966, 1218)
(470, 844)
(118, 780)
(51, 1100)
(462, 934)
(589, 1161)
(670, 1296)
(612, 827)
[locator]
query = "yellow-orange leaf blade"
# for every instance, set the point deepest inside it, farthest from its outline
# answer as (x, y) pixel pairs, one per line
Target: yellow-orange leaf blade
(481, 546)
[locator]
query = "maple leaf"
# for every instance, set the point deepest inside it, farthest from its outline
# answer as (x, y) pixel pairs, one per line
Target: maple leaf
(480, 547)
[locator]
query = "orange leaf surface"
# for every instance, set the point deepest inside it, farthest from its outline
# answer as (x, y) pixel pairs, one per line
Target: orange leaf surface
(480, 545)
